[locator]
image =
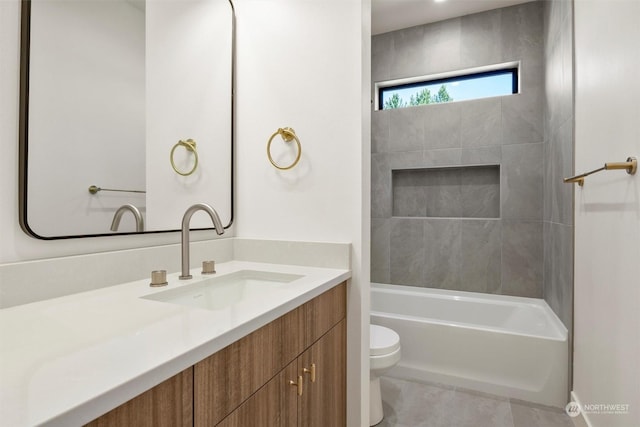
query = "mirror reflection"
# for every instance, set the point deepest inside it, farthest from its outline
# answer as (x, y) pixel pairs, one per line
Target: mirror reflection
(126, 115)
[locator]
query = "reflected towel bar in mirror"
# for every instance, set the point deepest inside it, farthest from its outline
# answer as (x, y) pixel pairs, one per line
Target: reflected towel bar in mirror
(94, 189)
(631, 166)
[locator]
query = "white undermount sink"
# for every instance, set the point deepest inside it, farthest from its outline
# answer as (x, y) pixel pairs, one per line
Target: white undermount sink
(218, 293)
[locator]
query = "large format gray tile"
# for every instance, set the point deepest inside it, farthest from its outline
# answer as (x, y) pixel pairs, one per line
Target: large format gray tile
(481, 39)
(442, 126)
(409, 198)
(533, 416)
(562, 272)
(381, 57)
(443, 193)
(562, 198)
(443, 260)
(407, 251)
(406, 403)
(522, 118)
(521, 172)
(566, 43)
(406, 160)
(442, 41)
(408, 58)
(380, 131)
(521, 31)
(380, 250)
(558, 270)
(553, 84)
(547, 181)
(468, 409)
(380, 186)
(442, 157)
(522, 259)
(481, 122)
(409, 201)
(548, 292)
(481, 253)
(480, 192)
(481, 155)
(406, 129)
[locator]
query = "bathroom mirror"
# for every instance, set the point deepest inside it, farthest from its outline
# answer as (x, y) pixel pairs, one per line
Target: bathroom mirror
(112, 94)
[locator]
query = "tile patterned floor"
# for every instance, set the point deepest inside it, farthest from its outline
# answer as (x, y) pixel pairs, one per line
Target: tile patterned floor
(412, 404)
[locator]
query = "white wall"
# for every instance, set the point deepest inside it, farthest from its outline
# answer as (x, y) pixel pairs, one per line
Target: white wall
(188, 96)
(305, 64)
(86, 114)
(607, 223)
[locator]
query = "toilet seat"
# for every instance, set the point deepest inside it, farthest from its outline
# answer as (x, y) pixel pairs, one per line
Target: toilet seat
(382, 340)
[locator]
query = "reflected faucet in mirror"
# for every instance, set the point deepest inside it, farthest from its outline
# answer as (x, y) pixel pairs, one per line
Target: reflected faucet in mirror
(136, 213)
(186, 219)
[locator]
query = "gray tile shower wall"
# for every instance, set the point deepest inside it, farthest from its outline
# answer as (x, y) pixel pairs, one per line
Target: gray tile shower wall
(499, 249)
(558, 158)
(464, 192)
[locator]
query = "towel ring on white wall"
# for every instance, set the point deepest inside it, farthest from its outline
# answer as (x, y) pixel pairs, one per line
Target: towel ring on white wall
(288, 135)
(190, 145)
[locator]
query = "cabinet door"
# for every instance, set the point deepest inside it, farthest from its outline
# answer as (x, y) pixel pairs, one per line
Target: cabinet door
(169, 404)
(227, 378)
(274, 405)
(323, 402)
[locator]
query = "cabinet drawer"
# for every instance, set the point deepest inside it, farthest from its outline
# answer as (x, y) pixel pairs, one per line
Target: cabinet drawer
(323, 313)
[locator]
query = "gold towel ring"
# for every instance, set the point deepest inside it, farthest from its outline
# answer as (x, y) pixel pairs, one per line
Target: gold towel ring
(288, 135)
(190, 145)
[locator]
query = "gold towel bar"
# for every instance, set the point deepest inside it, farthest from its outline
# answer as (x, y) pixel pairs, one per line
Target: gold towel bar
(94, 190)
(631, 166)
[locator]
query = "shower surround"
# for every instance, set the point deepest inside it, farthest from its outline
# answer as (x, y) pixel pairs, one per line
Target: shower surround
(465, 195)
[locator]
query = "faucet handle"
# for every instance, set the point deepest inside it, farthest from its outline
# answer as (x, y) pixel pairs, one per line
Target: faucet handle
(158, 278)
(208, 267)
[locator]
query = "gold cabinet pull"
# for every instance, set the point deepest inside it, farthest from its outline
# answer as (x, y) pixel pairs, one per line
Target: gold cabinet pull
(311, 372)
(297, 384)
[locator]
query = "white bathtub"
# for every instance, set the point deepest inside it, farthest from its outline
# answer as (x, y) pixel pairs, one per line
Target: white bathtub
(508, 346)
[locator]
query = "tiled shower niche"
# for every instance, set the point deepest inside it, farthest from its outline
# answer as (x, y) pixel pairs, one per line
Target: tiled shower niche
(448, 192)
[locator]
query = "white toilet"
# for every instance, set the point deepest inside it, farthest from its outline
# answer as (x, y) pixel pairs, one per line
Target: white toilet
(384, 353)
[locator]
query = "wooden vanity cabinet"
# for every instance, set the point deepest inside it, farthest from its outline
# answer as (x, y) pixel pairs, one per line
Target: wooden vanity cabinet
(250, 371)
(322, 402)
(247, 383)
(169, 404)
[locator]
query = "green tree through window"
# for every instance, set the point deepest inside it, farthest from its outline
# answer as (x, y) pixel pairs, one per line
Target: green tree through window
(394, 102)
(423, 97)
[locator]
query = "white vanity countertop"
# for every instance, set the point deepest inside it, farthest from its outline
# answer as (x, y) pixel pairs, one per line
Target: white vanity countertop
(68, 360)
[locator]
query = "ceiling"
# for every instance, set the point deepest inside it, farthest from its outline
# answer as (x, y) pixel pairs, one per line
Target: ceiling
(390, 15)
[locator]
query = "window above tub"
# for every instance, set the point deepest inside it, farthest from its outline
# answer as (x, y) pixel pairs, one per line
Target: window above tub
(461, 85)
